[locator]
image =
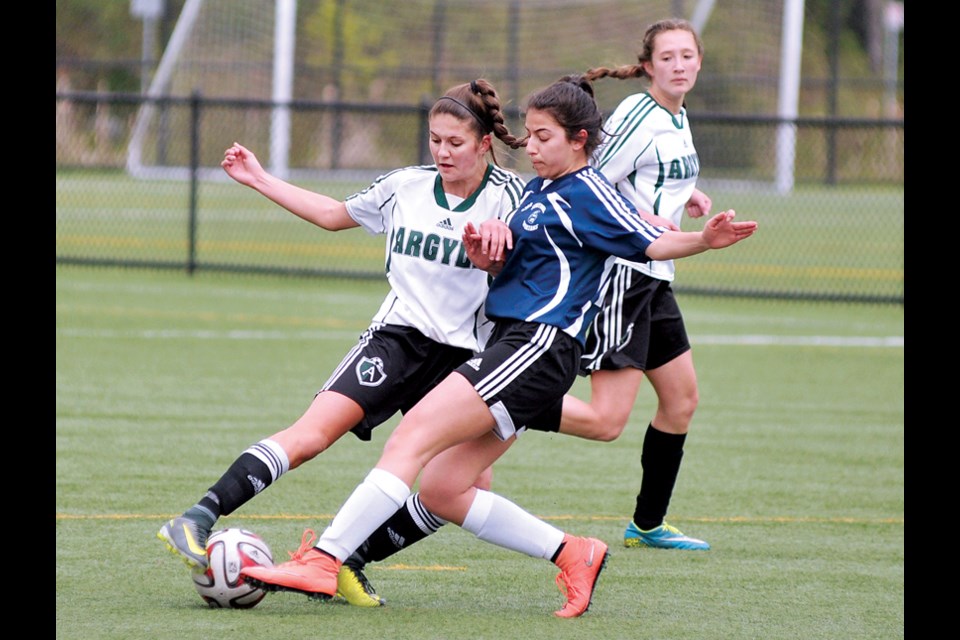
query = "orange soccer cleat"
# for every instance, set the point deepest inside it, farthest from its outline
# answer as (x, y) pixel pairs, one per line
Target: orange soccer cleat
(580, 562)
(309, 571)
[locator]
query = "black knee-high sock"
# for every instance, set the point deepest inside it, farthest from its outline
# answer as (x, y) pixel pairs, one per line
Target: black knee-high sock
(249, 474)
(662, 453)
(409, 525)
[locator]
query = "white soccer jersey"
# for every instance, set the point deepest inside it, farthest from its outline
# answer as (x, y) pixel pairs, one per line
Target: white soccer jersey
(648, 154)
(433, 285)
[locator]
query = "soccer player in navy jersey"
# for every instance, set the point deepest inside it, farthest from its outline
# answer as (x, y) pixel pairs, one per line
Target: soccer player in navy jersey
(566, 235)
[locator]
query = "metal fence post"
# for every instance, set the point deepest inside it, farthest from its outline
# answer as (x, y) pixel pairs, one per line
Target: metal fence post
(195, 106)
(423, 148)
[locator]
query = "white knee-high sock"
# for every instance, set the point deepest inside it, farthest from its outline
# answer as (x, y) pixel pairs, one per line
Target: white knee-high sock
(495, 519)
(373, 501)
(427, 521)
(271, 454)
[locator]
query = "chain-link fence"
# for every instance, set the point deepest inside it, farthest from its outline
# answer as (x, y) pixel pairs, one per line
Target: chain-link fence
(836, 232)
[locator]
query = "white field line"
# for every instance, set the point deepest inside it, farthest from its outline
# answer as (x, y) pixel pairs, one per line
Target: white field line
(732, 340)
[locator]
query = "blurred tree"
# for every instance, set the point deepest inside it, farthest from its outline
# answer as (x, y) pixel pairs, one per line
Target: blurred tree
(99, 44)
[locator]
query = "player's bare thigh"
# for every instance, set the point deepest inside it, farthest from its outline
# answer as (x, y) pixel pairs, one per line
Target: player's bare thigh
(452, 413)
(612, 396)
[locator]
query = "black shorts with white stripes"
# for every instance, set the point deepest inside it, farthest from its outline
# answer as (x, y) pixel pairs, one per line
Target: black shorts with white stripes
(525, 369)
(639, 326)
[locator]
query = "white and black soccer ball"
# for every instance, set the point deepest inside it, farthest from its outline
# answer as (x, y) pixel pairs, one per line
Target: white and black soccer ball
(229, 551)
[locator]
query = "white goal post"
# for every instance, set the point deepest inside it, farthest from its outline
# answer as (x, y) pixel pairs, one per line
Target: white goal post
(788, 94)
(275, 48)
(283, 65)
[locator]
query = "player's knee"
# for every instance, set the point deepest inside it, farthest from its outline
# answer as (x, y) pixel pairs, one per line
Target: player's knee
(678, 413)
(610, 431)
(440, 498)
(612, 425)
(485, 481)
(688, 405)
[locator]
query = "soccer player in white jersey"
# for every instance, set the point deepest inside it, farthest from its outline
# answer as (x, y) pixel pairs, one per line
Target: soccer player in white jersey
(648, 154)
(430, 322)
(564, 237)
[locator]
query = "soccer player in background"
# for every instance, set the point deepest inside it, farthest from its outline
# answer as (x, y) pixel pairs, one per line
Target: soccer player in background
(648, 154)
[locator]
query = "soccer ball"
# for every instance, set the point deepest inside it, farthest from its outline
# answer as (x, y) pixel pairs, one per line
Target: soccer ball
(229, 551)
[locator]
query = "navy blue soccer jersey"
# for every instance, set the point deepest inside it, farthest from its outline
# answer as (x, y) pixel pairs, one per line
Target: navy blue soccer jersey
(567, 234)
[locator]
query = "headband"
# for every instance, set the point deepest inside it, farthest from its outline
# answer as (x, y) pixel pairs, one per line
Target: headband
(469, 110)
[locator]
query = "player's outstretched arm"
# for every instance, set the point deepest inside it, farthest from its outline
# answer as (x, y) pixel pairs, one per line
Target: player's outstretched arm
(242, 165)
(720, 231)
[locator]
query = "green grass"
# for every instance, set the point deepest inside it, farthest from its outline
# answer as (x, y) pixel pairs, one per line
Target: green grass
(838, 241)
(794, 472)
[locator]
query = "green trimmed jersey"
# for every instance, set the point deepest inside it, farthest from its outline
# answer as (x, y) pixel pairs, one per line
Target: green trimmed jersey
(434, 287)
(648, 154)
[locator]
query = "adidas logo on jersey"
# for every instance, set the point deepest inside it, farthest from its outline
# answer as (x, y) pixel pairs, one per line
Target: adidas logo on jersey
(446, 224)
(474, 363)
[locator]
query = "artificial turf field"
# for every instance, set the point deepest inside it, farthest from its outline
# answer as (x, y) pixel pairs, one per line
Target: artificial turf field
(793, 471)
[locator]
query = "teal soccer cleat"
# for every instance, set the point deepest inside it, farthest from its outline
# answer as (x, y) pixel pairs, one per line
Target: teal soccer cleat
(663, 537)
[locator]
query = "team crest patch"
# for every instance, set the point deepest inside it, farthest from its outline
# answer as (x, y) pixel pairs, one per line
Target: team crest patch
(530, 222)
(370, 372)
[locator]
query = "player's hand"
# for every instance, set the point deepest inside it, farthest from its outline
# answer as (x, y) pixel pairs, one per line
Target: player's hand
(495, 239)
(487, 246)
(721, 230)
(241, 164)
(699, 204)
